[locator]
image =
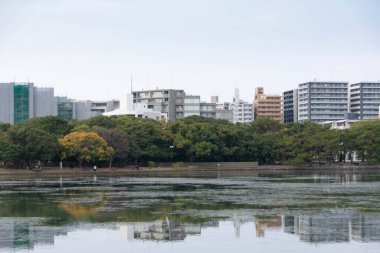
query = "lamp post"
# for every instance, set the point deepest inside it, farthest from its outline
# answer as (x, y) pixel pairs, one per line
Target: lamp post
(171, 153)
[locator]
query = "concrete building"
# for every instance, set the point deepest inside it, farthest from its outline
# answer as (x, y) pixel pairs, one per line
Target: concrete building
(17, 102)
(242, 112)
(208, 110)
(290, 106)
(103, 106)
(6, 103)
(135, 110)
(85, 110)
(44, 103)
(191, 106)
(322, 101)
(365, 99)
(69, 109)
(267, 106)
(223, 111)
(65, 108)
(167, 101)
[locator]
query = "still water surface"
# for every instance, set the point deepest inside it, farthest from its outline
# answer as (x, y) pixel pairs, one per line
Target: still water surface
(207, 212)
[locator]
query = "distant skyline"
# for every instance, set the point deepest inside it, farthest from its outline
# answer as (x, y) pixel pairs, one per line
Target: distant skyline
(89, 49)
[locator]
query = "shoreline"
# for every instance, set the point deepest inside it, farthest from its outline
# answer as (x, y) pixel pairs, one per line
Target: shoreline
(147, 170)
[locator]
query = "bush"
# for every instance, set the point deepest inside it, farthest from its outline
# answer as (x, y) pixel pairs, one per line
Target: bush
(151, 164)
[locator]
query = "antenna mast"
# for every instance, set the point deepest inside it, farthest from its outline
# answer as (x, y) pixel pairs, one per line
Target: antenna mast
(131, 85)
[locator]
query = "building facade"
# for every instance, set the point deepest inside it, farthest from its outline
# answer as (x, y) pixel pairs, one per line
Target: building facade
(365, 99)
(167, 101)
(103, 106)
(191, 106)
(267, 106)
(242, 111)
(290, 106)
(44, 102)
(20, 102)
(17, 102)
(224, 112)
(322, 101)
(6, 103)
(208, 110)
(65, 108)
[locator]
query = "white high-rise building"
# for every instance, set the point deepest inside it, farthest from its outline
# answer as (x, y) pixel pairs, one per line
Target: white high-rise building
(365, 99)
(322, 101)
(242, 111)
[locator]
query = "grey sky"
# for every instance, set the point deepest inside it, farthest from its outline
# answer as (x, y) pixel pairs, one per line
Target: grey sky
(90, 48)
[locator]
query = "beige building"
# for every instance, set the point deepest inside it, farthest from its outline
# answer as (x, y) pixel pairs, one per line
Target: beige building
(267, 106)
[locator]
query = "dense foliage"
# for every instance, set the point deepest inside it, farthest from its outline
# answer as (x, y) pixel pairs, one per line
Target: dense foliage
(193, 139)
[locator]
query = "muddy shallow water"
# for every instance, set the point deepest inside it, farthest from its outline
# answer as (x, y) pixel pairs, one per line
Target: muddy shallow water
(311, 211)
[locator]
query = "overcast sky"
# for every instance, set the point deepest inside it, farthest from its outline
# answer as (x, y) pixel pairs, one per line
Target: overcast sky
(89, 49)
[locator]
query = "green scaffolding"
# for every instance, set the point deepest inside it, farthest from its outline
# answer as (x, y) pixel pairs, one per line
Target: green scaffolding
(21, 102)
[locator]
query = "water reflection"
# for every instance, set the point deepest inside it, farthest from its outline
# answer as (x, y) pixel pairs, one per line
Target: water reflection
(323, 209)
(334, 228)
(26, 233)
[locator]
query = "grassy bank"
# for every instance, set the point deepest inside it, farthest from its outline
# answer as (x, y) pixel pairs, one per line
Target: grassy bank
(147, 170)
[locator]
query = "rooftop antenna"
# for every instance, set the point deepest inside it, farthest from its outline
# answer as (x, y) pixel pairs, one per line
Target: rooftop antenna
(131, 85)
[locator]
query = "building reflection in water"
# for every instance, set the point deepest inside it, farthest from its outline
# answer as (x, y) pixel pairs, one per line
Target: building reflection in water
(18, 233)
(163, 230)
(317, 228)
(262, 223)
(333, 227)
(22, 234)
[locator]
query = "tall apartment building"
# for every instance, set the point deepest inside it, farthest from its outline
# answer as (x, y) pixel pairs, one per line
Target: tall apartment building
(290, 106)
(267, 106)
(21, 101)
(365, 99)
(242, 112)
(6, 103)
(44, 102)
(162, 100)
(322, 101)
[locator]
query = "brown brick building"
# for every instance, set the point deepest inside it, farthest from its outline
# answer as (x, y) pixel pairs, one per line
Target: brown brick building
(267, 106)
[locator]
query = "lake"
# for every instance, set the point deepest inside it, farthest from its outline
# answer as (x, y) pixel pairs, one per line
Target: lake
(247, 211)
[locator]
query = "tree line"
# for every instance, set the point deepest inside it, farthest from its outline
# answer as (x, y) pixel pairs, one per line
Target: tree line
(121, 140)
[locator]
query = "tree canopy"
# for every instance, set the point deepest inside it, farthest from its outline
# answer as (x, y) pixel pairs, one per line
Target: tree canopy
(192, 139)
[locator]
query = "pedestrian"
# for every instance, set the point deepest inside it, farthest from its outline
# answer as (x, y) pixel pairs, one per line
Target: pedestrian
(136, 165)
(94, 168)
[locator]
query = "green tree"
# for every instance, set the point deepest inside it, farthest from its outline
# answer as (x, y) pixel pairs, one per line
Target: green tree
(32, 144)
(8, 151)
(54, 125)
(366, 136)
